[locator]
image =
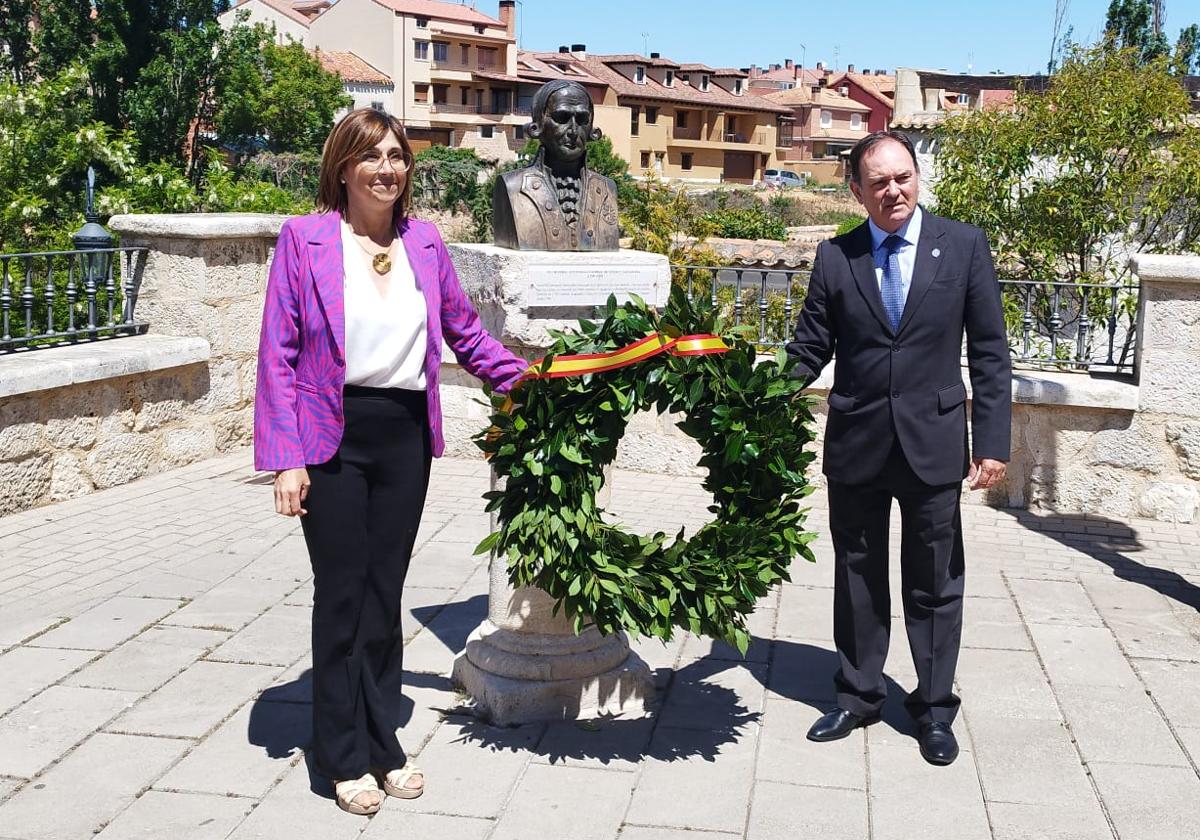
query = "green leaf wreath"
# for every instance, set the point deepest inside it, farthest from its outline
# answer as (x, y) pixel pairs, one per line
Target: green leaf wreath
(752, 424)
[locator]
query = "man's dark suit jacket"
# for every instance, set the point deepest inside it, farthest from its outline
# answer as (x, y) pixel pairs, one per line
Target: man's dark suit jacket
(910, 379)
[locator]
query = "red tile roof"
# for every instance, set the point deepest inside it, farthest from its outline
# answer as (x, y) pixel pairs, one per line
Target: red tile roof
(714, 97)
(634, 58)
(351, 67)
(825, 98)
(696, 68)
(544, 67)
(882, 88)
(731, 71)
(440, 10)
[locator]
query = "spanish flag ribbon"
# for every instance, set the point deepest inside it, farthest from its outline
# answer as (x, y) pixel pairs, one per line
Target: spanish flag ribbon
(639, 351)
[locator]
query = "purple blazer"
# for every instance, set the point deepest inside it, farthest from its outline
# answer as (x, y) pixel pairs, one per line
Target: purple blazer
(302, 351)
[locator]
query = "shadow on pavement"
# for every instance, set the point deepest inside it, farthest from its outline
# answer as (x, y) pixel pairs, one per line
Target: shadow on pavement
(451, 623)
(1109, 543)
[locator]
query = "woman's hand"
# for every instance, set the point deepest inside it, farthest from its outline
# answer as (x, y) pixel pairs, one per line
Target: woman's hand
(291, 489)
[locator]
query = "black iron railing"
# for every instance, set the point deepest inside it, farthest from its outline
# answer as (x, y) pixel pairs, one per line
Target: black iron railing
(1054, 325)
(50, 298)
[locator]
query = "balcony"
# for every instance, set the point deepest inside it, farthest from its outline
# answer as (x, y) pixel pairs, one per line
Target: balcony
(728, 140)
(477, 110)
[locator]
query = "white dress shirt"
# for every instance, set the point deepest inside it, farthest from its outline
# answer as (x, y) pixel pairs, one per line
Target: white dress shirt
(385, 336)
(910, 232)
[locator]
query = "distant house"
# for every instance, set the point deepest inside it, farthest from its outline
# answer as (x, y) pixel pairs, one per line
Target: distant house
(875, 90)
(291, 21)
(777, 77)
(827, 124)
(368, 86)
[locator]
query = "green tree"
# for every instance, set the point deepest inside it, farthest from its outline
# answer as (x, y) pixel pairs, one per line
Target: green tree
(1187, 50)
(17, 34)
(65, 34)
(51, 136)
(1128, 25)
(1069, 182)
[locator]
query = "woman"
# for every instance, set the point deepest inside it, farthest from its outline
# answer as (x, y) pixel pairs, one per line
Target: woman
(359, 299)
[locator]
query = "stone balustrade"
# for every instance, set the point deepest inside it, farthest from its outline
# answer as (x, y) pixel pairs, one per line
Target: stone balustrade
(78, 418)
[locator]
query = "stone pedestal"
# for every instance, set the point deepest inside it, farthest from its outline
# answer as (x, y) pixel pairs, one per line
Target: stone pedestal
(523, 663)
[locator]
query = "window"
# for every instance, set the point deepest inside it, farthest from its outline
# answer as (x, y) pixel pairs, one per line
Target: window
(639, 75)
(651, 115)
(378, 106)
(422, 23)
(486, 131)
(441, 51)
(856, 122)
(737, 87)
(421, 92)
(681, 119)
(826, 119)
(466, 96)
(704, 83)
(670, 78)
(421, 50)
(466, 54)
(686, 162)
(440, 92)
(645, 160)
(785, 133)
(635, 112)
(487, 56)
(519, 132)
(964, 99)
(685, 78)
(479, 29)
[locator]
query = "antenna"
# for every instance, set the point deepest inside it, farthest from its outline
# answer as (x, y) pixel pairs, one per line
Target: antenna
(645, 43)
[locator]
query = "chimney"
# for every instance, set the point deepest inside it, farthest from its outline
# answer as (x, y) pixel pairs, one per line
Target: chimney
(822, 82)
(564, 49)
(866, 71)
(655, 55)
(508, 16)
(849, 68)
(787, 64)
(820, 66)
(774, 67)
(579, 51)
(844, 90)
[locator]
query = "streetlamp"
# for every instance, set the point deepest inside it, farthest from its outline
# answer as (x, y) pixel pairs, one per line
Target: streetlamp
(95, 266)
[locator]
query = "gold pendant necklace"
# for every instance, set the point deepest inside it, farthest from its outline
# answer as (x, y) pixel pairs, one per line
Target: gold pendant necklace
(382, 263)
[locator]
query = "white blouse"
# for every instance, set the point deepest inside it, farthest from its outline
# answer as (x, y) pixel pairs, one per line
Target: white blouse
(385, 336)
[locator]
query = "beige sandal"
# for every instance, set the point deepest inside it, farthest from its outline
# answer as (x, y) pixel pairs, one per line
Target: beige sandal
(395, 782)
(349, 791)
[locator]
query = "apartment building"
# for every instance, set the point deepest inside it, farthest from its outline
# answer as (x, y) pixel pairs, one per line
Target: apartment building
(290, 20)
(686, 122)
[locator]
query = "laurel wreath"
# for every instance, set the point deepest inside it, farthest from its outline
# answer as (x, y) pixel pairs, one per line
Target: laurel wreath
(751, 422)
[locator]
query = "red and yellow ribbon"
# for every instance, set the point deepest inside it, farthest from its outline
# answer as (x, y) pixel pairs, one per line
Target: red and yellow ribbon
(639, 351)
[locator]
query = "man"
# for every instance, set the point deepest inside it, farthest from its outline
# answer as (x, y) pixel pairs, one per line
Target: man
(891, 300)
(557, 203)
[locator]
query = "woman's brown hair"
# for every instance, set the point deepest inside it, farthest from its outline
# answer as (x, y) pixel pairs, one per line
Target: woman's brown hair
(354, 134)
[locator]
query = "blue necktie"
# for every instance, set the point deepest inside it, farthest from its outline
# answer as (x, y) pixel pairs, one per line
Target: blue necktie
(891, 288)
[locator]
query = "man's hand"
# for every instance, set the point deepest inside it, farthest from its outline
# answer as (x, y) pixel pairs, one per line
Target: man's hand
(291, 489)
(985, 473)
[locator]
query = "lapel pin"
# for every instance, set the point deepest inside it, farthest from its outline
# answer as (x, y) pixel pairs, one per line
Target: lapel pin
(937, 252)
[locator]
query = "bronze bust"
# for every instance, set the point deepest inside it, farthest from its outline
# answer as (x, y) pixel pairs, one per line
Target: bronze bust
(557, 203)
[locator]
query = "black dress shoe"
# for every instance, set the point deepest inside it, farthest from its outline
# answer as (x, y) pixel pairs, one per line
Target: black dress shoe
(837, 724)
(938, 744)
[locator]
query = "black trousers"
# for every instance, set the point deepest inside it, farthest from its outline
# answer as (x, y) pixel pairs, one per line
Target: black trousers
(931, 569)
(364, 506)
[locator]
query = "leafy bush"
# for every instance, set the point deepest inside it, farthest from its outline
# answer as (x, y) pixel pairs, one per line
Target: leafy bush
(848, 224)
(747, 223)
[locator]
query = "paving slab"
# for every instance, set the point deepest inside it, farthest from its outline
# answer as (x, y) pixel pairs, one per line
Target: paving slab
(129, 763)
(993, 623)
(232, 604)
(391, 823)
(147, 661)
(179, 816)
(1069, 821)
(1054, 602)
(784, 811)
(604, 743)
(1082, 656)
(1150, 803)
(41, 731)
(641, 832)
(196, 700)
(299, 806)
(1137, 735)
(247, 754)
(709, 693)
(786, 755)
(582, 803)
(107, 625)
(24, 671)
(467, 755)
(689, 782)
(279, 636)
(1008, 683)
(1032, 762)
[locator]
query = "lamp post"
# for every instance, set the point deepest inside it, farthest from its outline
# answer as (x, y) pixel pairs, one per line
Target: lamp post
(95, 267)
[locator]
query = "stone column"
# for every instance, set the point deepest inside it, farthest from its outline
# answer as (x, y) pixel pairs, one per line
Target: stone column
(523, 663)
(1168, 373)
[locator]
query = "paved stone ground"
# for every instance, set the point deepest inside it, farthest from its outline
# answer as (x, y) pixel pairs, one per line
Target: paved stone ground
(153, 683)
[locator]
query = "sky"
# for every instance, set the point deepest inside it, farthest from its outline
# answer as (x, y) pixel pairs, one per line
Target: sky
(1013, 36)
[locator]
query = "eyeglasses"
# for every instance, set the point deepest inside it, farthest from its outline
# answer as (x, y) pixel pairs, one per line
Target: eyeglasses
(373, 161)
